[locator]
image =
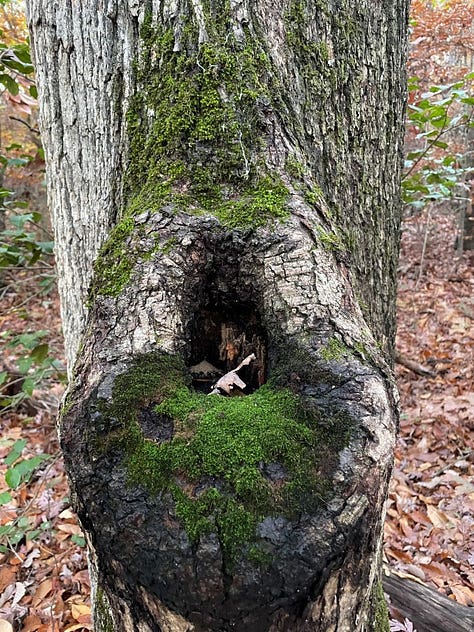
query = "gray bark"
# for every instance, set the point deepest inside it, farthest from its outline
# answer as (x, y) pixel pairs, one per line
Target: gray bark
(297, 119)
(83, 54)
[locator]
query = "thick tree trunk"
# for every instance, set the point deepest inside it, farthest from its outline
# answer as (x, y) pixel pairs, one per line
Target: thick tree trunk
(258, 213)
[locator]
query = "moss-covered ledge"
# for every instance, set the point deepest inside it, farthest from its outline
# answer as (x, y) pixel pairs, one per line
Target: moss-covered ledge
(227, 463)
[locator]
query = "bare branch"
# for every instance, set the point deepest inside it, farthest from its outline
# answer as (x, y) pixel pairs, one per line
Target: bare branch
(230, 380)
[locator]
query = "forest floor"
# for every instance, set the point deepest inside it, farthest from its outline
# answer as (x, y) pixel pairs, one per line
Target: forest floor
(44, 584)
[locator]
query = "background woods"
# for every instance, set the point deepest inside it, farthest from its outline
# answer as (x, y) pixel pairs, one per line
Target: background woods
(44, 583)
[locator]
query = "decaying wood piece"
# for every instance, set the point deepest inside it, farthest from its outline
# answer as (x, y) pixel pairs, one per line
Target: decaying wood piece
(228, 382)
(429, 610)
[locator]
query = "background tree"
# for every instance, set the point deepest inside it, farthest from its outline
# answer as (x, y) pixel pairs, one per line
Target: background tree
(246, 157)
(440, 113)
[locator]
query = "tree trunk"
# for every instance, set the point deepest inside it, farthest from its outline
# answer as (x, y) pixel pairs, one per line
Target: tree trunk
(248, 156)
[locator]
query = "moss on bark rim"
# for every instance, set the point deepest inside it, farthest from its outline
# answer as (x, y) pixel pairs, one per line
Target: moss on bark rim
(215, 467)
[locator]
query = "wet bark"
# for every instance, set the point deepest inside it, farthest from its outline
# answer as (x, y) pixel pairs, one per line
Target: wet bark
(258, 213)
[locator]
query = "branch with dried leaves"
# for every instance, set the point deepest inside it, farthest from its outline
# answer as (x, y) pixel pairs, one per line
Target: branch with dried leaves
(228, 382)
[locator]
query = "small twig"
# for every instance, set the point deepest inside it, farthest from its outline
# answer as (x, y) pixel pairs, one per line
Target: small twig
(27, 300)
(445, 467)
(30, 127)
(413, 366)
(423, 252)
(431, 144)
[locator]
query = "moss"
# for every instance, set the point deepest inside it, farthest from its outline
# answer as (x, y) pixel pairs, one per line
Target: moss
(103, 620)
(66, 404)
(259, 556)
(331, 240)
(266, 199)
(196, 134)
(153, 377)
(313, 56)
(120, 254)
(297, 367)
(334, 350)
(214, 465)
(361, 350)
(294, 168)
(203, 137)
(379, 605)
(114, 265)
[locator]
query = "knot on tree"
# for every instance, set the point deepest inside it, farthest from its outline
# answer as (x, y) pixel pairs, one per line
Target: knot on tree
(231, 512)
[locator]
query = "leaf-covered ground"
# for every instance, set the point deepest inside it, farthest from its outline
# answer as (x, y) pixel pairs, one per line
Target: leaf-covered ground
(44, 583)
(429, 531)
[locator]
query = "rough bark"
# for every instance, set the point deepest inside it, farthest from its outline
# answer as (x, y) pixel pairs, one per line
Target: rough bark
(259, 214)
(83, 55)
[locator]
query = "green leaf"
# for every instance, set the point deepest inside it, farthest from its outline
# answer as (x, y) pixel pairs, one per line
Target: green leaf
(9, 83)
(24, 364)
(12, 478)
(28, 386)
(15, 452)
(22, 51)
(33, 90)
(32, 535)
(18, 162)
(5, 497)
(412, 155)
(40, 353)
(440, 122)
(79, 540)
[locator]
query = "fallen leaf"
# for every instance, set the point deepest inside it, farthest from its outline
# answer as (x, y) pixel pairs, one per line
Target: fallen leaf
(42, 591)
(67, 515)
(31, 623)
(79, 610)
(72, 529)
(35, 553)
(415, 571)
(438, 518)
(20, 590)
(7, 577)
(463, 595)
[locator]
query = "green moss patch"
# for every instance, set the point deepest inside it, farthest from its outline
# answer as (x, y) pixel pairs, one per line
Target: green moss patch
(196, 129)
(379, 605)
(230, 461)
(201, 147)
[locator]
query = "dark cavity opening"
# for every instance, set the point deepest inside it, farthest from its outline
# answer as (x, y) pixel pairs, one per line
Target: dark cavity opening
(223, 337)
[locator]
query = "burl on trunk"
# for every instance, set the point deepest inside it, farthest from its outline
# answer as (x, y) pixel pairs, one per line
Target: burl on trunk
(252, 512)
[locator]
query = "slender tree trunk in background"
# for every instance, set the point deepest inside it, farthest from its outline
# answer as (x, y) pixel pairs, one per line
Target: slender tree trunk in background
(468, 227)
(247, 157)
